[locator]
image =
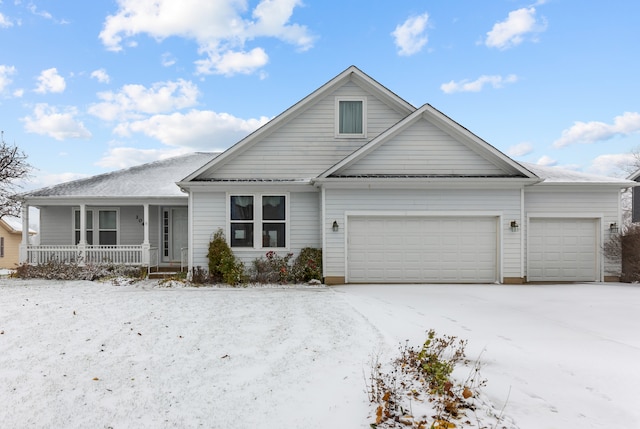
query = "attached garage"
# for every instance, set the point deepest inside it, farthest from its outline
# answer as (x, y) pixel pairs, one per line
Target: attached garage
(422, 249)
(563, 249)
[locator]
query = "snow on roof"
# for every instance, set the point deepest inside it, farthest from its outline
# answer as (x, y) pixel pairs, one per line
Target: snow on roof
(15, 224)
(154, 179)
(559, 175)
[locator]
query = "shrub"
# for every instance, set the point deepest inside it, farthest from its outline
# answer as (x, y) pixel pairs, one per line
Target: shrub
(308, 265)
(199, 276)
(625, 247)
(55, 269)
(223, 265)
(420, 378)
(271, 268)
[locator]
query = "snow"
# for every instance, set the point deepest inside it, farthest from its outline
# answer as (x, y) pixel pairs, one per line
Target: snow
(88, 354)
(557, 175)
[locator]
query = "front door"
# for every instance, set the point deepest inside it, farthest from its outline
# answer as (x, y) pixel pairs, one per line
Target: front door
(174, 233)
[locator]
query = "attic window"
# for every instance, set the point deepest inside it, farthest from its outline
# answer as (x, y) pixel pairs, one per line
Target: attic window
(351, 117)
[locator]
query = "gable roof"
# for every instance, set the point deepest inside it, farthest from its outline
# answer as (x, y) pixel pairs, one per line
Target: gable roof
(13, 225)
(154, 179)
(507, 166)
(351, 73)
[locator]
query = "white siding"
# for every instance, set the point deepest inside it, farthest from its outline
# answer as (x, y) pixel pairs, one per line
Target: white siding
(209, 214)
(579, 202)
(131, 231)
(56, 225)
(503, 202)
(423, 149)
(306, 146)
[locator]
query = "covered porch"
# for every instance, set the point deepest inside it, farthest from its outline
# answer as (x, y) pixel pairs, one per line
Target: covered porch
(153, 235)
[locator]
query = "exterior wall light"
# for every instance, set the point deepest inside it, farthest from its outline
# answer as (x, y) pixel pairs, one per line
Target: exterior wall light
(335, 226)
(514, 226)
(613, 228)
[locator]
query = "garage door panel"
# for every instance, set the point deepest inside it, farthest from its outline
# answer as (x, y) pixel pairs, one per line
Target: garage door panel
(422, 249)
(563, 249)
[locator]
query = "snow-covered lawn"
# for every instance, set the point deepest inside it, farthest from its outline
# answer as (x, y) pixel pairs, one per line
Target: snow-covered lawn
(87, 354)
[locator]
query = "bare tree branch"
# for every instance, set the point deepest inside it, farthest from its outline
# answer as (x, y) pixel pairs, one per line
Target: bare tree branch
(13, 167)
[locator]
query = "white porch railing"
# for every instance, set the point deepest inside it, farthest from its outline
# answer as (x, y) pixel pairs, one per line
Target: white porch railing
(117, 255)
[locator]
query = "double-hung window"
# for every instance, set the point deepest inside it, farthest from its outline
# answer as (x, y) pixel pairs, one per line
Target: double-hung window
(351, 117)
(258, 221)
(88, 225)
(107, 222)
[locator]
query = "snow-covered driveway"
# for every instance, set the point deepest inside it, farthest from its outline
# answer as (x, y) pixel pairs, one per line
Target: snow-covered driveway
(83, 354)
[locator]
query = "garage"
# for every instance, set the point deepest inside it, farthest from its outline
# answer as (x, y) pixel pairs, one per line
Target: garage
(422, 249)
(563, 249)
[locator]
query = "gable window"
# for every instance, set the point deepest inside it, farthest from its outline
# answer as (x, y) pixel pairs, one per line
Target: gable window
(258, 221)
(351, 114)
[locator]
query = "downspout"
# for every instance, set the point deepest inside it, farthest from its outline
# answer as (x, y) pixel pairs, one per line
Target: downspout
(523, 225)
(324, 230)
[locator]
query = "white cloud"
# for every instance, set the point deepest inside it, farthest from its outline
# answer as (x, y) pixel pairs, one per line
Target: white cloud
(230, 63)
(197, 129)
(410, 36)
(512, 31)
(546, 161)
(167, 59)
(100, 75)
(591, 132)
(520, 149)
(5, 80)
(5, 22)
(50, 81)
(615, 165)
(133, 100)
(124, 157)
(47, 120)
(220, 28)
(466, 85)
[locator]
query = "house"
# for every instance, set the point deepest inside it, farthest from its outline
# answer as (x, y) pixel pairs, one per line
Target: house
(390, 192)
(10, 238)
(132, 216)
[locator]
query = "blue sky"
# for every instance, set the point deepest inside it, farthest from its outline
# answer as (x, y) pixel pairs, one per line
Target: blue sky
(93, 86)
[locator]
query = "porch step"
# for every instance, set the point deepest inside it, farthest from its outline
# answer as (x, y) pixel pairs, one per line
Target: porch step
(164, 272)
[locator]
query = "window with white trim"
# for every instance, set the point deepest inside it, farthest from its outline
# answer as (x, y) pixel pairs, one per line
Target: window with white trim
(351, 117)
(88, 226)
(258, 221)
(107, 221)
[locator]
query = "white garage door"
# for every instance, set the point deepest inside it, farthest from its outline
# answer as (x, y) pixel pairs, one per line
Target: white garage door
(563, 250)
(384, 249)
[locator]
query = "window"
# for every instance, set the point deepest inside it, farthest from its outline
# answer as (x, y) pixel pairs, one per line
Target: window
(88, 224)
(351, 117)
(242, 221)
(107, 222)
(108, 227)
(1, 247)
(268, 217)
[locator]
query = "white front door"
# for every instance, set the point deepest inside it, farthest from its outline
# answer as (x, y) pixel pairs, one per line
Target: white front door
(174, 233)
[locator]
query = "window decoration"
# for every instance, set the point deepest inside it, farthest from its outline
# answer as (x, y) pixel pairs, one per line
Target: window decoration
(351, 117)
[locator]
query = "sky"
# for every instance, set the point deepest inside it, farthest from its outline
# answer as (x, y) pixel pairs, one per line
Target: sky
(88, 87)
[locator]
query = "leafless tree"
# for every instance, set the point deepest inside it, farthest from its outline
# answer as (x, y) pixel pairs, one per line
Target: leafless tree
(13, 168)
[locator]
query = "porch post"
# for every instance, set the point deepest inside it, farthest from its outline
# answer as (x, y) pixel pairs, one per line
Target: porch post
(24, 244)
(146, 246)
(82, 242)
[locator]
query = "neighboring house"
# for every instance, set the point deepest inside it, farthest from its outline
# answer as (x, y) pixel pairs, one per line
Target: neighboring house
(132, 216)
(390, 192)
(635, 204)
(10, 238)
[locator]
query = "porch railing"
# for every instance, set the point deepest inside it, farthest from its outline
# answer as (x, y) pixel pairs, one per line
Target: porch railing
(117, 255)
